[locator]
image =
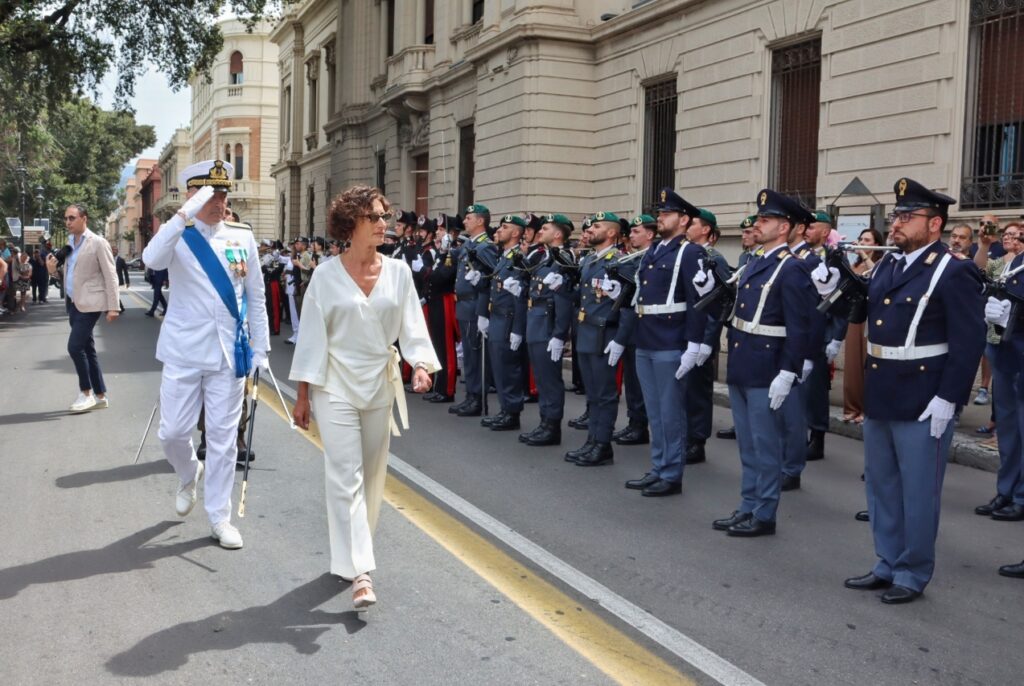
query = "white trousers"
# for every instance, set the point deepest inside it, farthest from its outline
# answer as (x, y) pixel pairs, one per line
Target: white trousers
(294, 315)
(356, 446)
(183, 392)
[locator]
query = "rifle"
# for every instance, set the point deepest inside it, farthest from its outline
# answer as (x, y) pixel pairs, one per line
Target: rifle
(998, 288)
(850, 298)
(724, 291)
(616, 269)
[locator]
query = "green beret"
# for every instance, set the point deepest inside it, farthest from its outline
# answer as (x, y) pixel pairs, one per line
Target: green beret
(644, 220)
(748, 222)
(708, 218)
(514, 219)
(559, 219)
(606, 217)
(477, 209)
(823, 217)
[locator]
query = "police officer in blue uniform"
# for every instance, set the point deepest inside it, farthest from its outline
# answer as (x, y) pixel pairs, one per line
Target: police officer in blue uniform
(926, 333)
(768, 342)
(505, 325)
(602, 334)
(749, 249)
(476, 259)
(548, 323)
(642, 232)
(700, 383)
(669, 340)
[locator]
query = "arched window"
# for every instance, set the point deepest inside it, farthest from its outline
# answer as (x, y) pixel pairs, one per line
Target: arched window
(235, 69)
(239, 160)
(227, 152)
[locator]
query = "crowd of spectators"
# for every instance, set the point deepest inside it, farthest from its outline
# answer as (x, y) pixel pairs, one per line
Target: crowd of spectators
(22, 273)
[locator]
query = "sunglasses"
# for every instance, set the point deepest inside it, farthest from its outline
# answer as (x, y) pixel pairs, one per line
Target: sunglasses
(374, 217)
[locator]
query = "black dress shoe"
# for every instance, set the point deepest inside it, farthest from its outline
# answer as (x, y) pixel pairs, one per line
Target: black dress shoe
(490, 419)
(632, 435)
(816, 446)
(470, 409)
(201, 451)
(1012, 571)
(454, 409)
(529, 399)
(581, 422)
(643, 482)
(735, 518)
(508, 422)
(527, 434)
(150, 314)
(441, 398)
(997, 503)
(728, 434)
(240, 459)
(868, 582)
(574, 455)
(1010, 513)
(598, 455)
(790, 483)
(862, 516)
(549, 433)
(900, 594)
(751, 528)
(428, 396)
(695, 454)
(662, 488)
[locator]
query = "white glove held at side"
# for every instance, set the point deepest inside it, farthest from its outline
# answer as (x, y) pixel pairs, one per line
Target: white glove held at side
(614, 352)
(941, 412)
(483, 323)
(780, 388)
(556, 346)
(514, 341)
(832, 350)
(703, 353)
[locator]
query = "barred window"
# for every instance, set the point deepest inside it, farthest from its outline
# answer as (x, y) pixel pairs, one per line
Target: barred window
(993, 175)
(660, 105)
(422, 179)
(467, 151)
(382, 171)
(796, 89)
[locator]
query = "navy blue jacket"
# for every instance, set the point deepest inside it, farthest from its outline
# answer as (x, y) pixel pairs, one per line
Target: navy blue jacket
(1008, 355)
(900, 390)
(597, 321)
(471, 301)
(755, 360)
(549, 313)
(654, 277)
(502, 304)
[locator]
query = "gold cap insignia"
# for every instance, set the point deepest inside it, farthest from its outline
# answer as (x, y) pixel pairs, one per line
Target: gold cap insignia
(903, 187)
(550, 218)
(664, 196)
(507, 219)
(599, 216)
(218, 172)
(763, 199)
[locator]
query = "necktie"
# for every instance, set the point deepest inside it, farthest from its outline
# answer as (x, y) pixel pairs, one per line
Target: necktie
(898, 268)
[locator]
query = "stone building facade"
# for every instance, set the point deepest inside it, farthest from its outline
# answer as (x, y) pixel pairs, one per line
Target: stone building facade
(572, 106)
(235, 118)
(175, 156)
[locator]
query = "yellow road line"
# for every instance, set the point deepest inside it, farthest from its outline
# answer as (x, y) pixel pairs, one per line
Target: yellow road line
(604, 646)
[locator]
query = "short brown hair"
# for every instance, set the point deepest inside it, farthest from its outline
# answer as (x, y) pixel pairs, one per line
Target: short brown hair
(349, 206)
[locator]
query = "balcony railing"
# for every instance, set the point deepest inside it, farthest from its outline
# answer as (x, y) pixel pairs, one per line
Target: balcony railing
(409, 69)
(234, 91)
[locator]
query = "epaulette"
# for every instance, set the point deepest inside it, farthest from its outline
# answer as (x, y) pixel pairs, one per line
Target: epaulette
(238, 225)
(759, 252)
(931, 257)
(481, 238)
(803, 253)
(782, 254)
(611, 255)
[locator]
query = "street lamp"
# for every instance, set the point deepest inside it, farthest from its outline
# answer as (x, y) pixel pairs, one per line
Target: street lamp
(22, 175)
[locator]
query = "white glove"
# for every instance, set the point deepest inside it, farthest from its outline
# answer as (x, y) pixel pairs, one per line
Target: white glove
(483, 323)
(703, 353)
(688, 360)
(192, 206)
(513, 286)
(832, 350)
(614, 352)
(611, 287)
(514, 341)
(553, 281)
(259, 360)
(780, 388)
(703, 281)
(941, 412)
(556, 346)
(806, 371)
(473, 276)
(423, 301)
(446, 242)
(997, 312)
(825, 279)
(417, 264)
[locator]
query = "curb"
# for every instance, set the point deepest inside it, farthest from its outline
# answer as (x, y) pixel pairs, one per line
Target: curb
(965, 449)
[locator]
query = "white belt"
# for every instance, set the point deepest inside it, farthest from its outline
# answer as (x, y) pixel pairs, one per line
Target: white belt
(661, 309)
(902, 352)
(758, 329)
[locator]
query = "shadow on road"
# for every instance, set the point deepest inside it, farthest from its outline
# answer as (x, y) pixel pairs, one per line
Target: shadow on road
(290, 619)
(114, 474)
(125, 555)
(31, 417)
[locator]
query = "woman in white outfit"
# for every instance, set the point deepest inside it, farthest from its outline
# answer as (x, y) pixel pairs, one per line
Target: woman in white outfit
(357, 305)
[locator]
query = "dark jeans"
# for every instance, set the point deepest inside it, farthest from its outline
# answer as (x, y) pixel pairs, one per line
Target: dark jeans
(158, 299)
(82, 349)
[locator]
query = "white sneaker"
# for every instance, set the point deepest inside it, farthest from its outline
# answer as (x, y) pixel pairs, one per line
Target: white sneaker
(84, 403)
(227, 536)
(102, 403)
(185, 500)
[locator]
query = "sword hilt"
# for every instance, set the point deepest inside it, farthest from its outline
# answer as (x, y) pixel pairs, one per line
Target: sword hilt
(241, 499)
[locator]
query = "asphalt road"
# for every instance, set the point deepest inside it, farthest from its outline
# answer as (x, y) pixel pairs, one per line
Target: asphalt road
(101, 582)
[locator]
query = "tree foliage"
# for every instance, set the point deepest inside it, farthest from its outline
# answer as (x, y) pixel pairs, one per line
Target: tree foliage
(52, 51)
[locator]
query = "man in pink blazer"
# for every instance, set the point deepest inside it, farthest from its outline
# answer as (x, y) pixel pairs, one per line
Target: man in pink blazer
(90, 289)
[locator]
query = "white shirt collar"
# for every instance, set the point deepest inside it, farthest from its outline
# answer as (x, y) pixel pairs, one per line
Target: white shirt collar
(910, 257)
(604, 251)
(775, 249)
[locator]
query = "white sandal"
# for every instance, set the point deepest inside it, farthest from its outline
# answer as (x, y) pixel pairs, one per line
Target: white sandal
(362, 593)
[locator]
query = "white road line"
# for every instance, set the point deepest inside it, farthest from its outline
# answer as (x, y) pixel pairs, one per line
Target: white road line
(673, 640)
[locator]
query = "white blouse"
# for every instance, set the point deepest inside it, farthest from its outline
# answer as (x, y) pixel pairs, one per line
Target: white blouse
(346, 343)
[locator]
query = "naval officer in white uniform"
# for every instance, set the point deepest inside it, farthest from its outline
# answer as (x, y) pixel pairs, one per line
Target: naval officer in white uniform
(201, 342)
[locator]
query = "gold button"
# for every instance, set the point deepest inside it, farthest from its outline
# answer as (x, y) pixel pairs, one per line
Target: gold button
(909, 299)
(922, 367)
(736, 345)
(742, 305)
(650, 266)
(645, 282)
(887, 301)
(767, 345)
(670, 316)
(878, 322)
(874, 366)
(747, 286)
